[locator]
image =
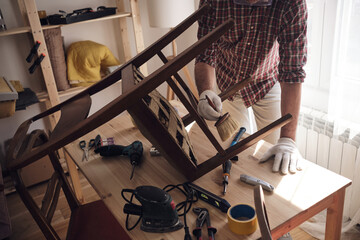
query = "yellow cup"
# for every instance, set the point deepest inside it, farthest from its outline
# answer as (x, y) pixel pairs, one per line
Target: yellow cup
(242, 219)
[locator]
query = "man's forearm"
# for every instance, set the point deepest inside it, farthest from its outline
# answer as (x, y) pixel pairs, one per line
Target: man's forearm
(204, 77)
(290, 103)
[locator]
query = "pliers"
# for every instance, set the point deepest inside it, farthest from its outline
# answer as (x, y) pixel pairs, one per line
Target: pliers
(203, 214)
(82, 145)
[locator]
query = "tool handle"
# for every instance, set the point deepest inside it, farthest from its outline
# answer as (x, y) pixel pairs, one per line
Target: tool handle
(110, 150)
(132, 209)
(36, 63)
(82, 144)
(33, 51)
(210, 102)
(238, 136)
(227, 167)
(197, 233)
(211, 232)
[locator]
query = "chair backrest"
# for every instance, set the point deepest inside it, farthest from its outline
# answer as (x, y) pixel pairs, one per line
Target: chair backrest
(261, 213)
(43, 211)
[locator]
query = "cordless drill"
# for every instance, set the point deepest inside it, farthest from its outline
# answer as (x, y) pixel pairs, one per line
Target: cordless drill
(134, 151)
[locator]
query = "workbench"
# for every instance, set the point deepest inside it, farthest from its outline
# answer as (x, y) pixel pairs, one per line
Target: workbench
(296, 198)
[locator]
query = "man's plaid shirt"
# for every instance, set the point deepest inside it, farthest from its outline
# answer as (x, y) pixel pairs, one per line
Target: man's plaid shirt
(267, 43)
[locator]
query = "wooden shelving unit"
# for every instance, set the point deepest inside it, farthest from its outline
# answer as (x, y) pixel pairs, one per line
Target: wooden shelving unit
(27, 29)
(51, 96)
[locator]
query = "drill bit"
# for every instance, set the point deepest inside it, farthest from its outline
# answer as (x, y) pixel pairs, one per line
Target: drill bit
(132, 171)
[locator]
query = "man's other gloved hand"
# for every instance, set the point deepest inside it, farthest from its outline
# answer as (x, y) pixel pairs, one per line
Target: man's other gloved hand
(286, 154)
(205, 110)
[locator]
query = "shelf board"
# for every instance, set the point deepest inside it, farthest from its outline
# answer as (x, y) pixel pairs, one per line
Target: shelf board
(20, 30)
(43, 96)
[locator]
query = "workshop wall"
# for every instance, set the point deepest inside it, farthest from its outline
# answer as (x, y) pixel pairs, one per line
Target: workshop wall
(15, 48)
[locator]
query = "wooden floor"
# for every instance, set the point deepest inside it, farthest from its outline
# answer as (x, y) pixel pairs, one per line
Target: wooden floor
(24, 227)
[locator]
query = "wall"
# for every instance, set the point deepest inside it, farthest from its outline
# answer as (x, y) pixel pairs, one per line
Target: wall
(14, 49)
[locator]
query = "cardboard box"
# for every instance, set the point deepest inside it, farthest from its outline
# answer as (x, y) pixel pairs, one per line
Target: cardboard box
(8, 96)
(37, 172)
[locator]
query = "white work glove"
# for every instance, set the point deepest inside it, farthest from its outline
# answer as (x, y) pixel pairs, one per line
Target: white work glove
(205, 110)
(286, 154)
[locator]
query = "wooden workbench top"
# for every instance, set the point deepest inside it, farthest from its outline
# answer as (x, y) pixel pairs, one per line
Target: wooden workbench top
(294, 194)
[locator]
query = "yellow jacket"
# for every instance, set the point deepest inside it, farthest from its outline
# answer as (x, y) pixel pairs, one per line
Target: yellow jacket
(85, 59)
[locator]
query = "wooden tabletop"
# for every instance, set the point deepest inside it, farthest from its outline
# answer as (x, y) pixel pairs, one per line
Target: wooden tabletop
(296, 196)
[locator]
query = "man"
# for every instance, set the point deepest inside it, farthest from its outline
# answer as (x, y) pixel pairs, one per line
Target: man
(268, 44)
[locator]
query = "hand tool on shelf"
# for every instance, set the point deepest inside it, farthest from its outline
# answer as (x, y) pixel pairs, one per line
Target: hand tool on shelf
(82, 145)
(33, 51)
(134, 151)
(36, 63)
(203, 215)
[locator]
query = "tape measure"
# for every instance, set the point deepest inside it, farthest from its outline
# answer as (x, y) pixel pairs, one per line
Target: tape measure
(242, 219)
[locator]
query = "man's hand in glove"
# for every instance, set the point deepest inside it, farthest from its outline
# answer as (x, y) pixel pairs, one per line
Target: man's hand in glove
(286, 154)
(205, 110)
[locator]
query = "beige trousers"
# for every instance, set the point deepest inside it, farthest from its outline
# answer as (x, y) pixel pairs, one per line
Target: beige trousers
(259, 115)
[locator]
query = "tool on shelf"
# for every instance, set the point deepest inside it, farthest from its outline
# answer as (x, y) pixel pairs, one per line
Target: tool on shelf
(256, 181)
(36, 63)
(134, 151)
(33, 51)
(226, 173)
(203, 215)
(208, 197)
(82, 145)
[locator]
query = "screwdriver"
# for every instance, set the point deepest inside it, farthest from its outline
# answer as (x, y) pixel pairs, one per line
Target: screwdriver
(227, 164)
(226, 173)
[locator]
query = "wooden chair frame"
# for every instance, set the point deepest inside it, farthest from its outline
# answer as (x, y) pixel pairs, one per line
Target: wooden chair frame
(87, 221)
(72, 126)
(261, 213)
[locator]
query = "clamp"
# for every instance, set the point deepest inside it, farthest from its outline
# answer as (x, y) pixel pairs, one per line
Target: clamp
(203, 214)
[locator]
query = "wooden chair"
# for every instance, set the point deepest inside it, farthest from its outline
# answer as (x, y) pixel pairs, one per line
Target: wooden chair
(88, 221)
(261, 213)
(153, 114)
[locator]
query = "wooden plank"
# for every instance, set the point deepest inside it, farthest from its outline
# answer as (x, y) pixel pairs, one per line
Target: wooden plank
(38, 35)
(301, 135)
(336, 148)
(22, 9)
(124, 31)
(347, 170)
(139, 38)
(323, 150)
(355, 196)
(311, 145)
(27, 29)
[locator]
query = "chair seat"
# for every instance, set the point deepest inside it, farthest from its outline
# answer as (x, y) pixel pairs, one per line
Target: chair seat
(95, 221)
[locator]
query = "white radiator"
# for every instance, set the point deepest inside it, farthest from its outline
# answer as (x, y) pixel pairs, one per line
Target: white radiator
(339, 153)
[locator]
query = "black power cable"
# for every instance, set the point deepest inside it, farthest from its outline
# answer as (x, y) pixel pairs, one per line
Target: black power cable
(191, 197)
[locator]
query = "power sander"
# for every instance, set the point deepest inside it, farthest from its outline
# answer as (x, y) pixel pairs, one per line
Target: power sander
(157, 210)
